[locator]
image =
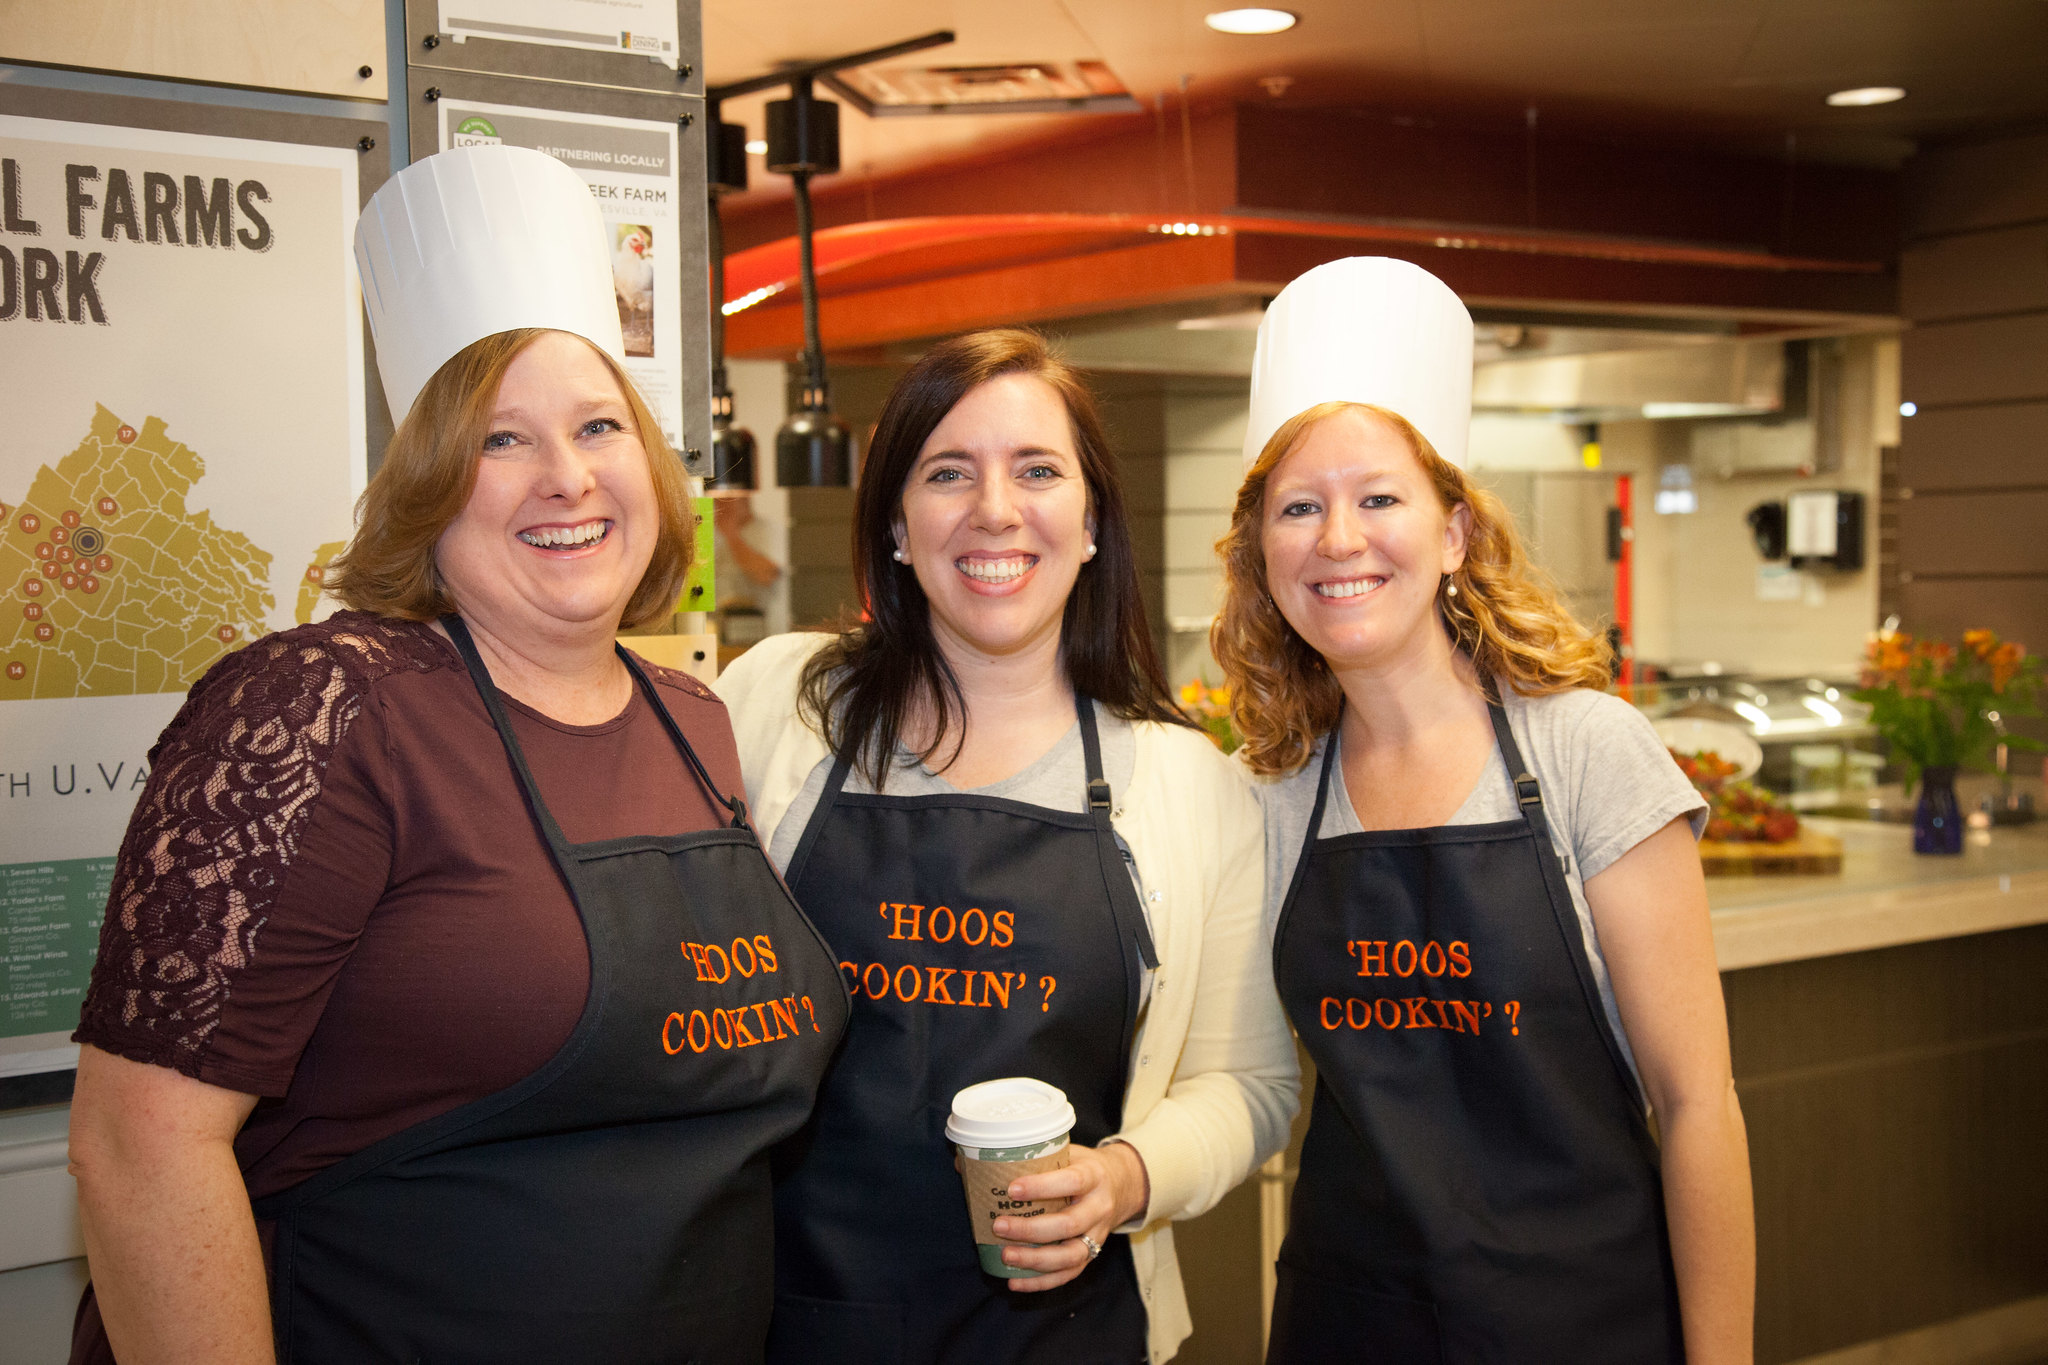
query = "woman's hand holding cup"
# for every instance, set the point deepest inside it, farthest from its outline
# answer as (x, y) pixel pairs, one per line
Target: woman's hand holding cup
(1106, 1188)
(1041, 1206)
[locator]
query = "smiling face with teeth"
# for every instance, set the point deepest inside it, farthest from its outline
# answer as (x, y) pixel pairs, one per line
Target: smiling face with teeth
(995, 520)
(1356, 543)
(562, 521)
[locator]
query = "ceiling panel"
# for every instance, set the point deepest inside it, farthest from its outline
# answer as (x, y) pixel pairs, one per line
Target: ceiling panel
(1626, 57)
(1744, 72)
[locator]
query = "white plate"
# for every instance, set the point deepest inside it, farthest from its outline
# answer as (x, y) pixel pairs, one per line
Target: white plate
(1689, 735)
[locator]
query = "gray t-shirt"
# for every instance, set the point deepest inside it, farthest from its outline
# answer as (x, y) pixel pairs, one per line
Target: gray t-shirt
(1608, 783)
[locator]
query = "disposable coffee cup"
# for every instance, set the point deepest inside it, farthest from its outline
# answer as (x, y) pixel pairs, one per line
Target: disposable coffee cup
(1005, 1129)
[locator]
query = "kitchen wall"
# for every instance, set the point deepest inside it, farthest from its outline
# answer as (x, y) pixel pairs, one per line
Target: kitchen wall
(1697, 585)
(759, 402)
(1973, 461)
(1205, 423)
(1699, 597)
(1178, 441)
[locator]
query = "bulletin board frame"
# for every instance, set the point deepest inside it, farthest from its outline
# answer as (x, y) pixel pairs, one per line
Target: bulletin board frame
(40, 1084)
(367, 136)
(334, 49)
(428, 47)
(692, 208)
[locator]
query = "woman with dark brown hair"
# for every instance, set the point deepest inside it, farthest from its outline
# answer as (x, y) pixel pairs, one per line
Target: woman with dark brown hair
(389, 1052)
(1027, 864)
(1489, 923)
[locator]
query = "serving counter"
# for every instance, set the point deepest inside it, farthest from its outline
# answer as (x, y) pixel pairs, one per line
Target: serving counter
(1889, 1027)
(1885, 895)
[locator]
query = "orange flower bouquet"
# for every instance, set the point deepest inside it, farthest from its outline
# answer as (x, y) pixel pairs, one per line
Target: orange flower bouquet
(1934, 703)
(1209, 707)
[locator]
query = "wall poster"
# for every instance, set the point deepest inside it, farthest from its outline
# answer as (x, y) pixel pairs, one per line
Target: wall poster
(630, 166)
(648, 27)
(181, 365)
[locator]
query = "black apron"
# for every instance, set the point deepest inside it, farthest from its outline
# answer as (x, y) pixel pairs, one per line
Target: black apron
(1479, 1185)
(614, 1205)
(980, 938)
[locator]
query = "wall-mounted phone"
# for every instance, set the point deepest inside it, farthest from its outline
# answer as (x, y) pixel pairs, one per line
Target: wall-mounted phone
(1824, 529)
(1767, 529)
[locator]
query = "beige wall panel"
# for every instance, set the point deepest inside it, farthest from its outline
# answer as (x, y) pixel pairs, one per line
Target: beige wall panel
(821, 525)
(819, 598)
(1133, 411)
(1986, 184)
(1219, 1266)
(2014, 607)
(2005, 271)
(820, 555)
(816, 545)
(1995, 360)
(1974, 533)
(315, 46)
(2001, 445)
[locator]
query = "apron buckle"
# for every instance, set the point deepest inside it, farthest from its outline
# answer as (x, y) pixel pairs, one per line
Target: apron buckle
(1098, 794)
(1525, 790)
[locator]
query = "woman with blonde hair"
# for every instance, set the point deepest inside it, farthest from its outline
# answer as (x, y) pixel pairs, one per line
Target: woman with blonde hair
(390, 1053)
(1490, 925)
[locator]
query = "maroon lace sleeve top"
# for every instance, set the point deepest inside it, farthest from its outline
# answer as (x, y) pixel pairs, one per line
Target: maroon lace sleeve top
(332, 896)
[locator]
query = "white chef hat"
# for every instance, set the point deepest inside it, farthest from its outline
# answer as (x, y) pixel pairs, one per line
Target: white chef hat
(475, 241)
(1368, 329)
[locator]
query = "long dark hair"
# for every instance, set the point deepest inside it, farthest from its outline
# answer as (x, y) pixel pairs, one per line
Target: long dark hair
(858, 690)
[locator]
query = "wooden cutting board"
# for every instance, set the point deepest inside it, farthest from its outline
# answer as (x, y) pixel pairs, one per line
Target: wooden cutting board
(1810, 854)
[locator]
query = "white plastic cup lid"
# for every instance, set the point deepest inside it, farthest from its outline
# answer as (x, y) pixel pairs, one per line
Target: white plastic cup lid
(1016, 1111)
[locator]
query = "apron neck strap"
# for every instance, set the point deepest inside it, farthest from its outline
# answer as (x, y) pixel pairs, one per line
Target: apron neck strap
(1527, 796)
(1315, 815)
(1116, 877)
(842, 765)
(736, 804)
(1091, 755)
(458, 631)
(493, 703)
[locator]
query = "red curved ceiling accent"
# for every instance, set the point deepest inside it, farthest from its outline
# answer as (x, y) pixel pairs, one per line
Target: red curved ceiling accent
(862, 256)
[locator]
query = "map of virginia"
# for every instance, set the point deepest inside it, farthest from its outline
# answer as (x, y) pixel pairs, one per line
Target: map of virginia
(112, 587)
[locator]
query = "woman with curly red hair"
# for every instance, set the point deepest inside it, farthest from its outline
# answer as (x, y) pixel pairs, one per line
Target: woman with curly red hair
(1490, 926)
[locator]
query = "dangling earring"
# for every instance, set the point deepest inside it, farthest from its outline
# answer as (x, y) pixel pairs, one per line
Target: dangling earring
(897, 555)
(1450, 590)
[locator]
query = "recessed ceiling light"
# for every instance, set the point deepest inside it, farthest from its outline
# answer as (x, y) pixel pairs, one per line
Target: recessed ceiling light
(758, 147)
(1868, 94)
(1252, 20)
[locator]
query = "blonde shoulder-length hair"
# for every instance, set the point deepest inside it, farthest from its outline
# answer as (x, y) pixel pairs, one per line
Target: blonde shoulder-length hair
(1505, 615)
(429, 472)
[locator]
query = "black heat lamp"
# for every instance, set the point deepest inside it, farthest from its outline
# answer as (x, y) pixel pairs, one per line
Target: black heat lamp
(733, 470)
(814, 449)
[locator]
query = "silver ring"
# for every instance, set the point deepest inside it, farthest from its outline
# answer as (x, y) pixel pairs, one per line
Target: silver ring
(1094, 1247)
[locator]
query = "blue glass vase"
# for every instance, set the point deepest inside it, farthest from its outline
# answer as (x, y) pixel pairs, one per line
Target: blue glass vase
(1937, 819)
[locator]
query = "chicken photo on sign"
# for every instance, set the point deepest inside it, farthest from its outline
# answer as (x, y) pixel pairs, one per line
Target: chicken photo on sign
(633, 282)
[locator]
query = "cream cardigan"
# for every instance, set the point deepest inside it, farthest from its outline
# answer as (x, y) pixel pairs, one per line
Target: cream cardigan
(1215, 1085)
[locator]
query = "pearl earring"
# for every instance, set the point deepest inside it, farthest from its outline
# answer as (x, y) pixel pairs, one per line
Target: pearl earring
(1450, 589)
(1090, 553)
(896, 555)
